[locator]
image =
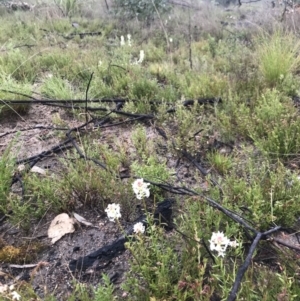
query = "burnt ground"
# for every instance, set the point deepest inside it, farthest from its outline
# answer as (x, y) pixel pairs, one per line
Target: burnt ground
(52, 273)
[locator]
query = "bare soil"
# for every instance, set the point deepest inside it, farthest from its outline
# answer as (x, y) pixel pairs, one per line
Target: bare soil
(52, 274)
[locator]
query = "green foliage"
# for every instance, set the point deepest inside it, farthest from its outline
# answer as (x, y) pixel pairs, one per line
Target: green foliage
(190, 128)
(275, 126)
(8, 84)
(82, 181)
(154, 267)
(139, 140)
(267, 193)
(221, 163)
(19, 65)
(143, 89)
(151, 168)
(6, 171)
(278, 55)
(57, 88)
(104, 292)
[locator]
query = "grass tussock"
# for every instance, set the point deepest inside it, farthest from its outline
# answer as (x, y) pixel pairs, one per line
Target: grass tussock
(278, 55)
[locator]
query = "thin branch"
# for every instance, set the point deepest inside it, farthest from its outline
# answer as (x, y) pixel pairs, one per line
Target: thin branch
(285, 243)
(107, 7)
(162, 25)
(242, 270)
(86, 95)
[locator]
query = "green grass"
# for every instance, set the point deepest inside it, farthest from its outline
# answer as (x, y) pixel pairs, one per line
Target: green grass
(254, 73)
(278, 55)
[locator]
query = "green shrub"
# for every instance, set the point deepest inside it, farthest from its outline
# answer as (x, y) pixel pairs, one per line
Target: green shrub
(267, 193)
(104, 292)
(276, 126)
(154, 269)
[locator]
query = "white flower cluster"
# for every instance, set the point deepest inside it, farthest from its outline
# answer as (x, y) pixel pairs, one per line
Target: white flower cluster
(113, 212)
(129, 42)
(123, 43)
(219, 242)
(141, 189)
(139, 228)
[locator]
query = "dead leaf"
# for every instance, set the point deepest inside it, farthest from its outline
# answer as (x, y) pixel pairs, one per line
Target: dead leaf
(60, 225)
(82, 220)
(39, 170)
(21, 167)
(123, 169)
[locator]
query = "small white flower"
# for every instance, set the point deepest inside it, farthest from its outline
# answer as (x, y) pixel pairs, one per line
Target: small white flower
(219, 242)
(141, 189)
(171, 40)
(15, 295)
(113, 212)
(234, 244)
(129, 39)
(139, 228)
(142, 57)
(122, 41)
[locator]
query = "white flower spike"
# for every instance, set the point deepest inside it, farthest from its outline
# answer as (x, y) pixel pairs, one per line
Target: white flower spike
(122, 41)
(141, 189)
(113, 212)
(139, 228)
(142, 57)
(129, 39)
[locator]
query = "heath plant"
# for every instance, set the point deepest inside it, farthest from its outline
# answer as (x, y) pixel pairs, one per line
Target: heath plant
(154, 267)
(105, 292)
(220, 162)
(264, 195)
(139, 140)
(275, 126)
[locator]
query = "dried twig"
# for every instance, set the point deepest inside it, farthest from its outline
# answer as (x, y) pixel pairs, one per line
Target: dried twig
(86, 95)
